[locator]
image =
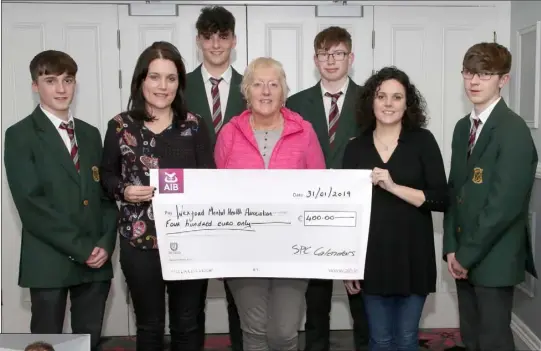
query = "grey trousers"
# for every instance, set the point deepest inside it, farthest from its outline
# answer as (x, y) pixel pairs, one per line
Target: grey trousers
(270, 311)
(485, 317)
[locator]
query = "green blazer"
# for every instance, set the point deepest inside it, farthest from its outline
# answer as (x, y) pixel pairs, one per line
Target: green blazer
(197, 102)
(309, 104)
(487, 223)
(64, 214)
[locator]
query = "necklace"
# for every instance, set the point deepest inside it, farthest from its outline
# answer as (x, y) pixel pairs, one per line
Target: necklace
(272, 127)
(385, 146)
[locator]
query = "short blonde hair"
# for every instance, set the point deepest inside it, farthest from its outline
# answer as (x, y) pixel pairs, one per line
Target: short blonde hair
(263, 62)
(39, 346)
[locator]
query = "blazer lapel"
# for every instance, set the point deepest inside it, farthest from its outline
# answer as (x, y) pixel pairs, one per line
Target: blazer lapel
(318, 118)
(198, 97)
(51, 139)
(487, 132)
(235, 101)
(460, 155)
(83, 143)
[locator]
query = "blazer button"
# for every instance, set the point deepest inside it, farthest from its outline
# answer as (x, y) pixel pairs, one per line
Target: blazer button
(458, 229)
(85, 202)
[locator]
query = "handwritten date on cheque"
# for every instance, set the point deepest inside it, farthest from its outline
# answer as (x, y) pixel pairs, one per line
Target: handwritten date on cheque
(320, 192)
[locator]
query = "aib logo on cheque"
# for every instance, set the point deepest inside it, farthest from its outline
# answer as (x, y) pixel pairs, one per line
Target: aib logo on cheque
(171, 181)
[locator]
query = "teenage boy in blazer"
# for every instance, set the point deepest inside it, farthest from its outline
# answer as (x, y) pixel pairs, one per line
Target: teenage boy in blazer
(330, 107)
(213, 92)
(213, 88)
(68, 224)
(486, 240)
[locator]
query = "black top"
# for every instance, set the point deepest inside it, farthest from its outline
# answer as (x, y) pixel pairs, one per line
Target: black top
(131, 149)
(400, 257)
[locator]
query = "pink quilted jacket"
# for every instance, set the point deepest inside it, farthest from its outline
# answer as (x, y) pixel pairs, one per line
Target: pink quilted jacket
(297, 148)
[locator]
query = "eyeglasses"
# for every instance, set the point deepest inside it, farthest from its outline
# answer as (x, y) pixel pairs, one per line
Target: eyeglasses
(482, 75)
(272, 85)
(337, 56)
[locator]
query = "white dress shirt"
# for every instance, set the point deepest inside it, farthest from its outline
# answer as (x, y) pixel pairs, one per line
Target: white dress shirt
(223, 87)
(483, 117)
(327, 100)
(62, 132)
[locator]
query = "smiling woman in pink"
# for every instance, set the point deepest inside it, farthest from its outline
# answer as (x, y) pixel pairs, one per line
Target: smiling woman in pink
(268, 135)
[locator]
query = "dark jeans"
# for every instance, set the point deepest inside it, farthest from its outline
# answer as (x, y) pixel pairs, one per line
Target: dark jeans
(87, 309)
(318, 310)
(485, 317)
(143, 274)
(394, 321)
(235, 333)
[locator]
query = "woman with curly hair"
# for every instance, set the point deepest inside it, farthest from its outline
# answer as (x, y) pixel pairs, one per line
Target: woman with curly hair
(409, 183)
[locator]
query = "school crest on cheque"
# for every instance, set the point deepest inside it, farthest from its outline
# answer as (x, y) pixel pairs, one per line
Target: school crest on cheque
(477, 175)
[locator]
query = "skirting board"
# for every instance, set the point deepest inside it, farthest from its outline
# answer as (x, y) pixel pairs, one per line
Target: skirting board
(524, 337)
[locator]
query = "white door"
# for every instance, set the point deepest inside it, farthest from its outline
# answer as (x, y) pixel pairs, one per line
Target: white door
(139, 32)
(286, 33)
(88, 34)
(428, 43)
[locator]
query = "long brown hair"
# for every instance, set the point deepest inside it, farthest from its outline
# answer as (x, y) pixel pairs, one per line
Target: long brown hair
(137, 103)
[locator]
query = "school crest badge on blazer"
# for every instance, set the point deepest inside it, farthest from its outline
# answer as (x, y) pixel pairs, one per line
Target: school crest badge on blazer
(477, 175)
(95, 173)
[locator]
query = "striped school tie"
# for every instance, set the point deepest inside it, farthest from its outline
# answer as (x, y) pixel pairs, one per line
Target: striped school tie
(334, 115)
(74, 149)
(216, 105)
(473, 132)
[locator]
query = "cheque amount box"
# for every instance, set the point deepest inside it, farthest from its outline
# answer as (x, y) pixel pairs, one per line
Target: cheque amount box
(330, 219)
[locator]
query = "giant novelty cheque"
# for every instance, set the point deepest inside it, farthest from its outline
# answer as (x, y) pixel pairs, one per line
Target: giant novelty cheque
(262, 223)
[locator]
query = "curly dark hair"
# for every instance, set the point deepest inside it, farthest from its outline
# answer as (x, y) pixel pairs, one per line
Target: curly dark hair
(414, 116)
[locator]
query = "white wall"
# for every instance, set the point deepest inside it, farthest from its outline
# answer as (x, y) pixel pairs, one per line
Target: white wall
(528, 308)
(523, 14)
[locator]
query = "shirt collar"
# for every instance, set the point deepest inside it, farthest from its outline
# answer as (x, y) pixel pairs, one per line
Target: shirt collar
(56, 120)
(483, 116)
(344, 88)
(226, 75)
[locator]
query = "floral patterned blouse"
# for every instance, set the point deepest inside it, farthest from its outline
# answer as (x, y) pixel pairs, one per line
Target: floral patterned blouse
(131, 149)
